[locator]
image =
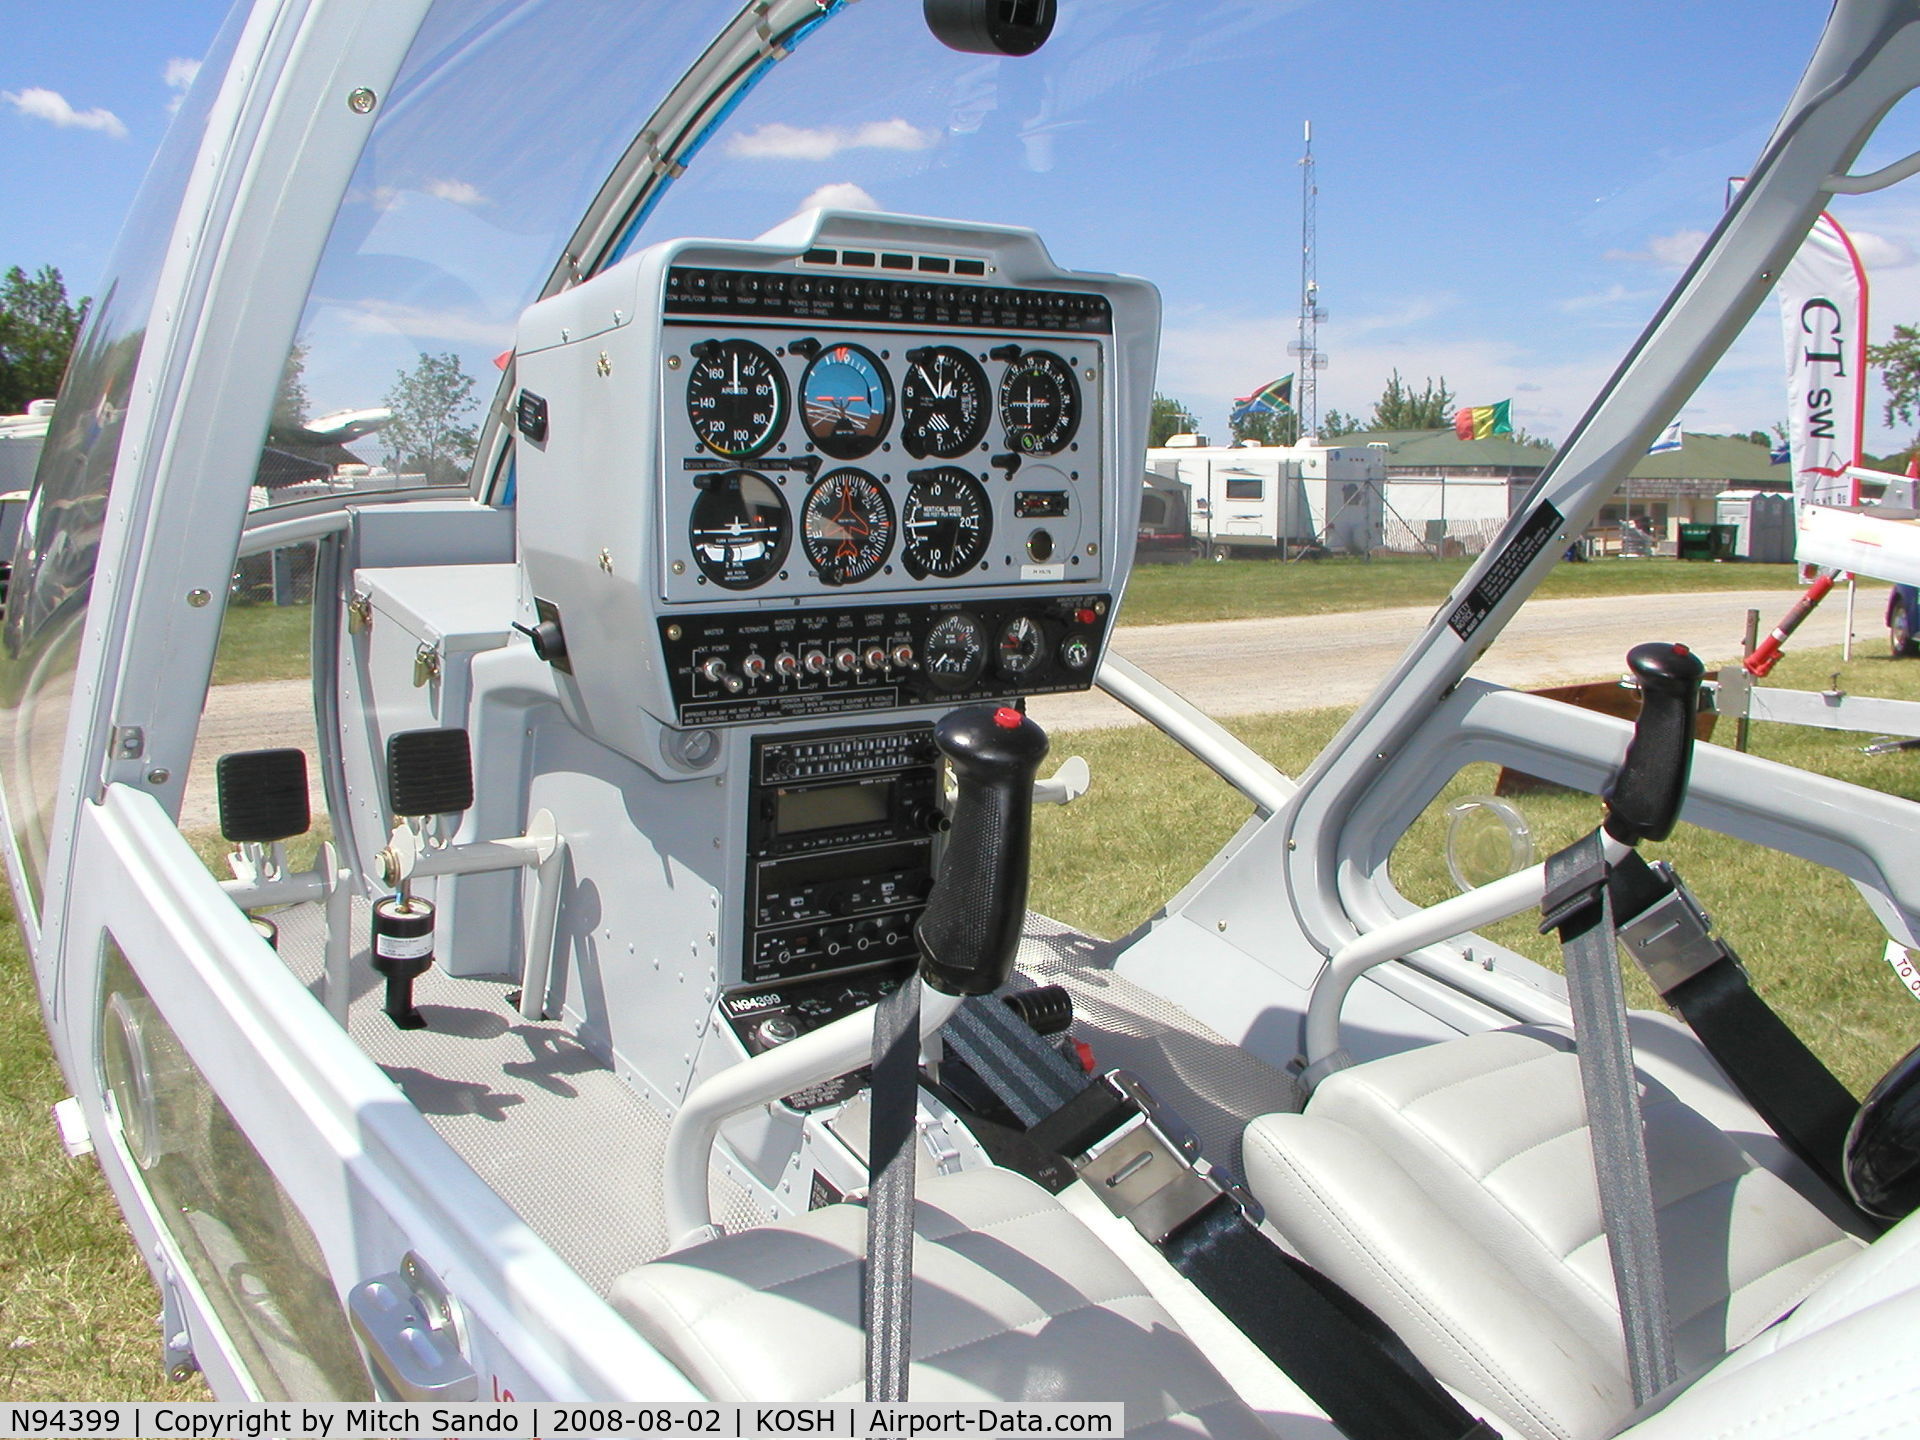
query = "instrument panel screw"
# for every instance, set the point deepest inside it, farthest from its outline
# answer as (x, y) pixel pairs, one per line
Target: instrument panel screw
(604, 364)
(673, 362)
(679, 567)
(606, 561)
(1091, 373)
(674, 632)
(158, 776)
(362, 101)
(1093, 549)
(1220, 925)
(199, 599)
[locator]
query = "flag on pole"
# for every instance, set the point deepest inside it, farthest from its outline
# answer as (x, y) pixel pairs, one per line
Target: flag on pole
(1670, 439)
(1273, 398)
(1477, 422)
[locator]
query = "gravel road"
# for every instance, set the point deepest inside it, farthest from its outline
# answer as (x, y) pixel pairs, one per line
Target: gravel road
(1233, 667)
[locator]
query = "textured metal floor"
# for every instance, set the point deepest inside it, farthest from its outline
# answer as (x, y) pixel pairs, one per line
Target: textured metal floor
(571, 1147)
(533, 1111)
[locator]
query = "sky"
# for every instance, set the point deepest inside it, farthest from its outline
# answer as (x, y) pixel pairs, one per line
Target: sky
(1506, 190)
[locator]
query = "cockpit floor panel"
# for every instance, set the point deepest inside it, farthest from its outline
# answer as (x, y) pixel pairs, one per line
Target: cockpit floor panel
(575, 1150)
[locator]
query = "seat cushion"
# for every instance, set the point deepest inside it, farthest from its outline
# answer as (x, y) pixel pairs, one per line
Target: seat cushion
(1452, 1189)
(1013, 1299)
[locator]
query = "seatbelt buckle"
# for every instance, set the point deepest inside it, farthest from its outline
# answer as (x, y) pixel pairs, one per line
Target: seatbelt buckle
(1672, 939)
(1148, 1170)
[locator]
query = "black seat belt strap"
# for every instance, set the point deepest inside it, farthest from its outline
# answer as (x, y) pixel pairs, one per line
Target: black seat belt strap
(1670, 937)
(886, 1298)
(1578, 904)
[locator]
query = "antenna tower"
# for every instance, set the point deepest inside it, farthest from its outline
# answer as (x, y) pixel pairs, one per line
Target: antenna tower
(1306, 398)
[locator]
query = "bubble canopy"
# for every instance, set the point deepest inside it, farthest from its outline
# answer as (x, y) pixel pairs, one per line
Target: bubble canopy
(1465, 183)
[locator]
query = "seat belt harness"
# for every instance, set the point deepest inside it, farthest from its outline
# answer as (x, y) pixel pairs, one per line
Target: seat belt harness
(1578, 904)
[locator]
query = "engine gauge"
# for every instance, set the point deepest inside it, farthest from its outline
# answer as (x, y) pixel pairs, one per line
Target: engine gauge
(736, 397)
(846, 401)
(1022, 646)
(739, 529)
(846, 526)
(1039, 403)
(956, 651)
(944, 405)
(946, 523)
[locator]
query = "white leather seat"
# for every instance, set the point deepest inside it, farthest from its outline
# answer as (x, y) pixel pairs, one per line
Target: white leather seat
(1451, 1188)
(1014, 1299)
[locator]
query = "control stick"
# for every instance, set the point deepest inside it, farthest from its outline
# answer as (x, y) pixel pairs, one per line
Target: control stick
(969, 933)
(1644, 801)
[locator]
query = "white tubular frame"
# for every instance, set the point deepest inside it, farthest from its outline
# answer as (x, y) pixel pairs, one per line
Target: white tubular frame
(819, 1055)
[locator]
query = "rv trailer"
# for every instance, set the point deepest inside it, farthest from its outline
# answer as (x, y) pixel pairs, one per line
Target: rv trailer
(628, 991)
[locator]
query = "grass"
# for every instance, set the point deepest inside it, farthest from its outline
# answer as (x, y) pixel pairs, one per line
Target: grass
(1251, 589)
(259, 641)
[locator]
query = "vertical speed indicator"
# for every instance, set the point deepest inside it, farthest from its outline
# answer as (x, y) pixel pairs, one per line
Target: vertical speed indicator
(1039, 403)
(945, 524)
(736, 397)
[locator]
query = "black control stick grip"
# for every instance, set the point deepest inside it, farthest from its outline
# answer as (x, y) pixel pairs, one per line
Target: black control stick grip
(970, 931)
(1645, 799)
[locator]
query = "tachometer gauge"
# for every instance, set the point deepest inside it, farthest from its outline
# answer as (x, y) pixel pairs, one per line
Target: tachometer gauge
(739, 529)
(736, 397)
(846, 526)
(846, 401)
(956, 651)
(943, 402)
(945, 524)
(1039, 403)
(1022, 646)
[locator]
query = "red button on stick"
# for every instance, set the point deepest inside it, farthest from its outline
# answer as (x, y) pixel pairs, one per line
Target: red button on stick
(1007, 718)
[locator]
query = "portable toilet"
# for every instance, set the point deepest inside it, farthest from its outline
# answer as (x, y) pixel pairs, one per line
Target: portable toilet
(1762, 521)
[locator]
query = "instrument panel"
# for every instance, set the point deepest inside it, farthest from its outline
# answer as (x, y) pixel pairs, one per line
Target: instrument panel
(812, 445)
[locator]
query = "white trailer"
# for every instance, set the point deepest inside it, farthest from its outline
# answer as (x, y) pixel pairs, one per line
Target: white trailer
(1281, 497)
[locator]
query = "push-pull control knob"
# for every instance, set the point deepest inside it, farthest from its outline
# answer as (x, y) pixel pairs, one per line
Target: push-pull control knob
(970, 931)
(815, 662)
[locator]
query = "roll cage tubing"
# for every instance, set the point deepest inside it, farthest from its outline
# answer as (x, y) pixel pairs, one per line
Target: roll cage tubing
(761, 35)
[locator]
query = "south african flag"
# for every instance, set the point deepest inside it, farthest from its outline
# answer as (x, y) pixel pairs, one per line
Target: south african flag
(1270, 399)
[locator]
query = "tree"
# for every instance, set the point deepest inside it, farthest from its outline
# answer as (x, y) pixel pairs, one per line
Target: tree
(426, 436)
(1400, 407)
(1168, 417)
(290, 403)
(1899, 362)
(1335, 423)
(37, 330)
(1272, 427)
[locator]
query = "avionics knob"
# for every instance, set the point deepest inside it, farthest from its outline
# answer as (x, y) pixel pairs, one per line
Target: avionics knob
(875, 658)
(754, 667)
(786, 663)
(903, 656)
(844, 660)
(815, 662)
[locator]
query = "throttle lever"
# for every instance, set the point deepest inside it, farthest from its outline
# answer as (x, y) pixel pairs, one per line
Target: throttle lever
(969, 933)
(1644, 800)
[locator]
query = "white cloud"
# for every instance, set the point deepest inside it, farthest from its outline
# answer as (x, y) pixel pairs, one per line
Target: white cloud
(1603, 299)
(54, 108)
(1673, 252)
(384, 317)
(179, 75)
(793, 142)
(841, 195)
(1879, 252)
(456, 192)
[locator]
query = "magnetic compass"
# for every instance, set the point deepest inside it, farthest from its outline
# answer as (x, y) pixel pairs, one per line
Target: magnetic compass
(846, 526)
(946, 523)
(846, 401)
(1039, 403)
(739, 529)
(944, 405)
(736, 397)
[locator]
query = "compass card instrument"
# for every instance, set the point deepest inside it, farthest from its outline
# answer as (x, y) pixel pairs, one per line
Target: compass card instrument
(863, 464)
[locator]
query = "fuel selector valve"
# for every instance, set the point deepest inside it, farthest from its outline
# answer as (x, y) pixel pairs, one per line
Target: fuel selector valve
(969, 934)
